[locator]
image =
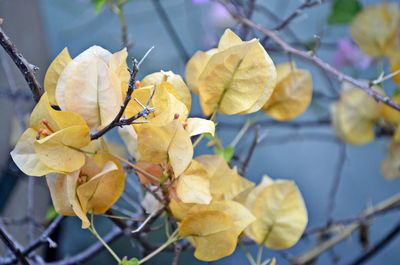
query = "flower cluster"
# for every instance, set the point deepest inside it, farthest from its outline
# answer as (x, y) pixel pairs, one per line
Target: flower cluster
(213, 205)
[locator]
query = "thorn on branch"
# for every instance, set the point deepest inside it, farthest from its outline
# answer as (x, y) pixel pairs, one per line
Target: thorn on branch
(28, 70)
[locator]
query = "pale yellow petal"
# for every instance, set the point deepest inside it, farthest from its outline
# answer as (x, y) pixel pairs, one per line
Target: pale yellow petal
(175, 80)
(203, 223)
(196, 126)
(180, 150)
(215, 246)
(235, 79)
(390, 167)
(59, 150)
(193, 186)
(228, 39)
(375, 28)
(25, 157)
(281, 215)
(291, 97)
(53, 73)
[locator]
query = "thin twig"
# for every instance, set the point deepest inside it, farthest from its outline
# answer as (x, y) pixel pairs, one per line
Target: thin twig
(297, 12)
(91, 251)
(378, 246)
(42, 239)
(118, 121)
(29, 206)
(10, 244)
(312, 58)
(256, 140)
(332, 226)
(291, 124)
(177, 253)
(27, 69)
(336, 180)
(180, 48)
(344, 233)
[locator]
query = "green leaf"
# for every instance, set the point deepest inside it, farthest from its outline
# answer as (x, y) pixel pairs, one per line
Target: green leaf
(343, 11)
(51, 213)
(396, 92)
(218, 150)
(99, 4)
(209, 136)
(228, 153)
(132, 261)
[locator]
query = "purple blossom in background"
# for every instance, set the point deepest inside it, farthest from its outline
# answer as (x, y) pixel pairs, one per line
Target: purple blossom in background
(200, 2)
(348, 54)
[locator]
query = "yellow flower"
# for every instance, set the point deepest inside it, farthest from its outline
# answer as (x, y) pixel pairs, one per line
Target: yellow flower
(354, 115)
(281, 215)
(175, 80)
(292, 94)
(94, 188)
(52, 141)
(214, 228)
(166, 101)
(375, 29)
(93, 84)
(236, 78)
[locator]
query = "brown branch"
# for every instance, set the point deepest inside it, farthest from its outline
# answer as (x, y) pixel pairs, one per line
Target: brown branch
(177, 253)
(328, 228)
(42, 239)
(378, 246)
(336, 180)
(10, 244)
(91, 251)
(118, 120)
(297, 12)
(312, 58)
(162, 14)
(27, 69)
(344, 233)
(291, 124)
(256, 140)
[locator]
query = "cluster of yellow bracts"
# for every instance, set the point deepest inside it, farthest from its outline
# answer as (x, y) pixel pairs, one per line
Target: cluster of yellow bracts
(356, 115)
(213, 203)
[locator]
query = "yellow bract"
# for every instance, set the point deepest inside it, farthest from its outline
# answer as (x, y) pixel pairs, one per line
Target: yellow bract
(94, 188)
(292, 94)
(390, 167)
(225, 183)
(53, 147)
(214, 228)
(353, 116)
(195, 66)
(53, 73)
(196, 126)
(390, 114)
(92, 85)
(175, 80)
(281, 215)
(395, 65)
(238, 78)
(166, 100)
(193, 186)
(129, 136)
(375, 29)
(156, 144)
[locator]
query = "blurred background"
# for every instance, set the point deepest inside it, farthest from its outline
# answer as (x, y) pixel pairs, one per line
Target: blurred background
(307, 152)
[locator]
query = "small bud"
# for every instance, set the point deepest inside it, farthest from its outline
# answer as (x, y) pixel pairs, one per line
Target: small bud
(45, 132)
(176, 116)
(184, 124)
(138, 84)
(79, 180)
(47, 124)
